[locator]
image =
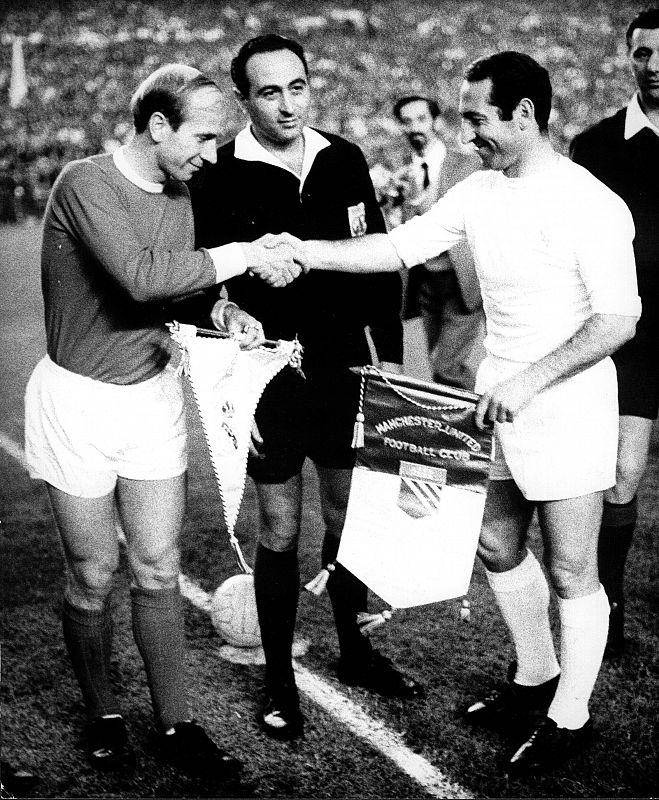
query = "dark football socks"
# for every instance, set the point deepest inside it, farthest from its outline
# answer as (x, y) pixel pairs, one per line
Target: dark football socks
(88, 638)
(616, 534)
(348, 596)
(160, 637)
(277, 588)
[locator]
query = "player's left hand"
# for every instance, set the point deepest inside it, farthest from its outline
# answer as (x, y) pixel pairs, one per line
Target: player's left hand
(504, 401)
(243, 327)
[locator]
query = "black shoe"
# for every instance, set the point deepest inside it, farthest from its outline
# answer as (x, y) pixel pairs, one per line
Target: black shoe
(191, 749)
(377, 674)
(512, 706)
(17, 781)
(280, 716)
(107, 744)
(549, 746)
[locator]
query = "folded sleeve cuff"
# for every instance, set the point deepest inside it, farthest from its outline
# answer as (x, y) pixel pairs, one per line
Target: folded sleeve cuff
(228, 260)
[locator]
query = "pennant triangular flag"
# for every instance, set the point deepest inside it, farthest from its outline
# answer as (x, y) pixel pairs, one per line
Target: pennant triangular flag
(227, 384)
(418, 490)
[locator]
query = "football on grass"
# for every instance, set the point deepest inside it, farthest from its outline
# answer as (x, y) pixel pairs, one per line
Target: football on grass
(233, 612)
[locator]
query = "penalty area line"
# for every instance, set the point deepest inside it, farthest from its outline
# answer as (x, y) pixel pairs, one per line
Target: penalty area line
(387, 742)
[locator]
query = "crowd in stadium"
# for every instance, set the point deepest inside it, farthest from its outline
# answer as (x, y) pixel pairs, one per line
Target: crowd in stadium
(82, 60)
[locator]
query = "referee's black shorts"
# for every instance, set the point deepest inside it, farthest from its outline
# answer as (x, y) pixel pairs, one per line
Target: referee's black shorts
(637, 365)
(305, 418)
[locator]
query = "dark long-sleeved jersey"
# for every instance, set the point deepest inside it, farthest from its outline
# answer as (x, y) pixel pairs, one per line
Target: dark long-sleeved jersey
(240, 200)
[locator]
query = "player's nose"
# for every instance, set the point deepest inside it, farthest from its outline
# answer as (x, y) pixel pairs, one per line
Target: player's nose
(209, 153)
(286, 103)
(466, 133)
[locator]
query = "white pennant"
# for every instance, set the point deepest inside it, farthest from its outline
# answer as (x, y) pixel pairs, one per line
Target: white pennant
(227, 384)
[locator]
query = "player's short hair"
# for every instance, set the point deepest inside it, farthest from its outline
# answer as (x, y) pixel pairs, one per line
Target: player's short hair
(514, 76)
(168, 91)
(648, 19)
(268, 43)
(433, 105)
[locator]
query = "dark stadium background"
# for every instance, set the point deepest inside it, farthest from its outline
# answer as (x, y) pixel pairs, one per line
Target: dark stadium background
(82, 61)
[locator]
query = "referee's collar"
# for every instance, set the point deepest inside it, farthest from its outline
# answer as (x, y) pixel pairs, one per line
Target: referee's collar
(248, 148)
(636, 119)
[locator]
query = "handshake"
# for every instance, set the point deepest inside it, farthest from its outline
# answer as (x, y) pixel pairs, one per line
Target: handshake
(275, 258)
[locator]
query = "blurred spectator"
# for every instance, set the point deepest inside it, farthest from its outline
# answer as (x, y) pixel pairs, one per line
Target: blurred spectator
(444, 291)
(82, 58)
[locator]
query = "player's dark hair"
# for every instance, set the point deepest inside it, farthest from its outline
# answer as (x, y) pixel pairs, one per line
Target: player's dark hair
(648, 19)
(269, 43)
(167, 90)
(433, 105)
(514, 76)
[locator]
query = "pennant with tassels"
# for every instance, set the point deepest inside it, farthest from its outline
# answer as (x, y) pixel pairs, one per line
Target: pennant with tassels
(227, 384)
(417, 494)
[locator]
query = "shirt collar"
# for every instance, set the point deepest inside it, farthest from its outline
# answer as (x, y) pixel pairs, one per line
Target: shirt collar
(121, 163)
(248, 148)
(636, 119)
(433, 157)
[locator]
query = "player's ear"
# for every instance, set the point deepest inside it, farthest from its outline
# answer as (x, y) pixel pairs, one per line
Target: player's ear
(524, 113)
(240, 98)
(158, 126)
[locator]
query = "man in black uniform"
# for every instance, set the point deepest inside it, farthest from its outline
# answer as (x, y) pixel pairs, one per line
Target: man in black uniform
(623, 152)
(278, 175)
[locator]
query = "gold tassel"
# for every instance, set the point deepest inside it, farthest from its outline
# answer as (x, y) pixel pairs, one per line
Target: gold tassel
(465, 610)
(317, 585)
(358, 431)
(369, 622)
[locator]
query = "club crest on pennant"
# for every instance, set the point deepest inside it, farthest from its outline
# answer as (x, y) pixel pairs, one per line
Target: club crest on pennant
(357, 219)
(420, 489)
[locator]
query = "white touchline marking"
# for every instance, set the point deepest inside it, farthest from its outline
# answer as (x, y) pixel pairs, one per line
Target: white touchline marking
(374, 733)
(377, 735)
(14, 450)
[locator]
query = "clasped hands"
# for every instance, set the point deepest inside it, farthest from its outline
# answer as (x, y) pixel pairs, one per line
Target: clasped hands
(275, 258)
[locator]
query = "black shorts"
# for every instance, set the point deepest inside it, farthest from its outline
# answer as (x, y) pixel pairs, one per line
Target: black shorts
(638, 375)
(305, 418)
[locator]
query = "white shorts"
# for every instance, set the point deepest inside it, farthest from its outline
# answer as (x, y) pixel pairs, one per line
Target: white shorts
(565, 442)
(81, 434)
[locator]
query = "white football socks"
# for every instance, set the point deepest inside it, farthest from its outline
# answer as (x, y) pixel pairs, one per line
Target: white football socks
(584, 627)
(523, 597)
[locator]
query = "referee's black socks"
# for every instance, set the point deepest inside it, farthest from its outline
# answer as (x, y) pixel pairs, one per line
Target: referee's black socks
(616, 534)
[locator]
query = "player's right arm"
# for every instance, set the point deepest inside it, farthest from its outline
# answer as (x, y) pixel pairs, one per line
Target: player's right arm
(89, 207)
(414, 242)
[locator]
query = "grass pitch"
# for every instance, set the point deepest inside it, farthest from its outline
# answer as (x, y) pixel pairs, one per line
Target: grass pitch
(42, 711)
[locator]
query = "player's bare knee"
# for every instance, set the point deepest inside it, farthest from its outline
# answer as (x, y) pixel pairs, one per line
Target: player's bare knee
(629, 474)
(90, 583)
(496, 552)
(497, 559)
(156, 570)
(572, 576)
(280, 541)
